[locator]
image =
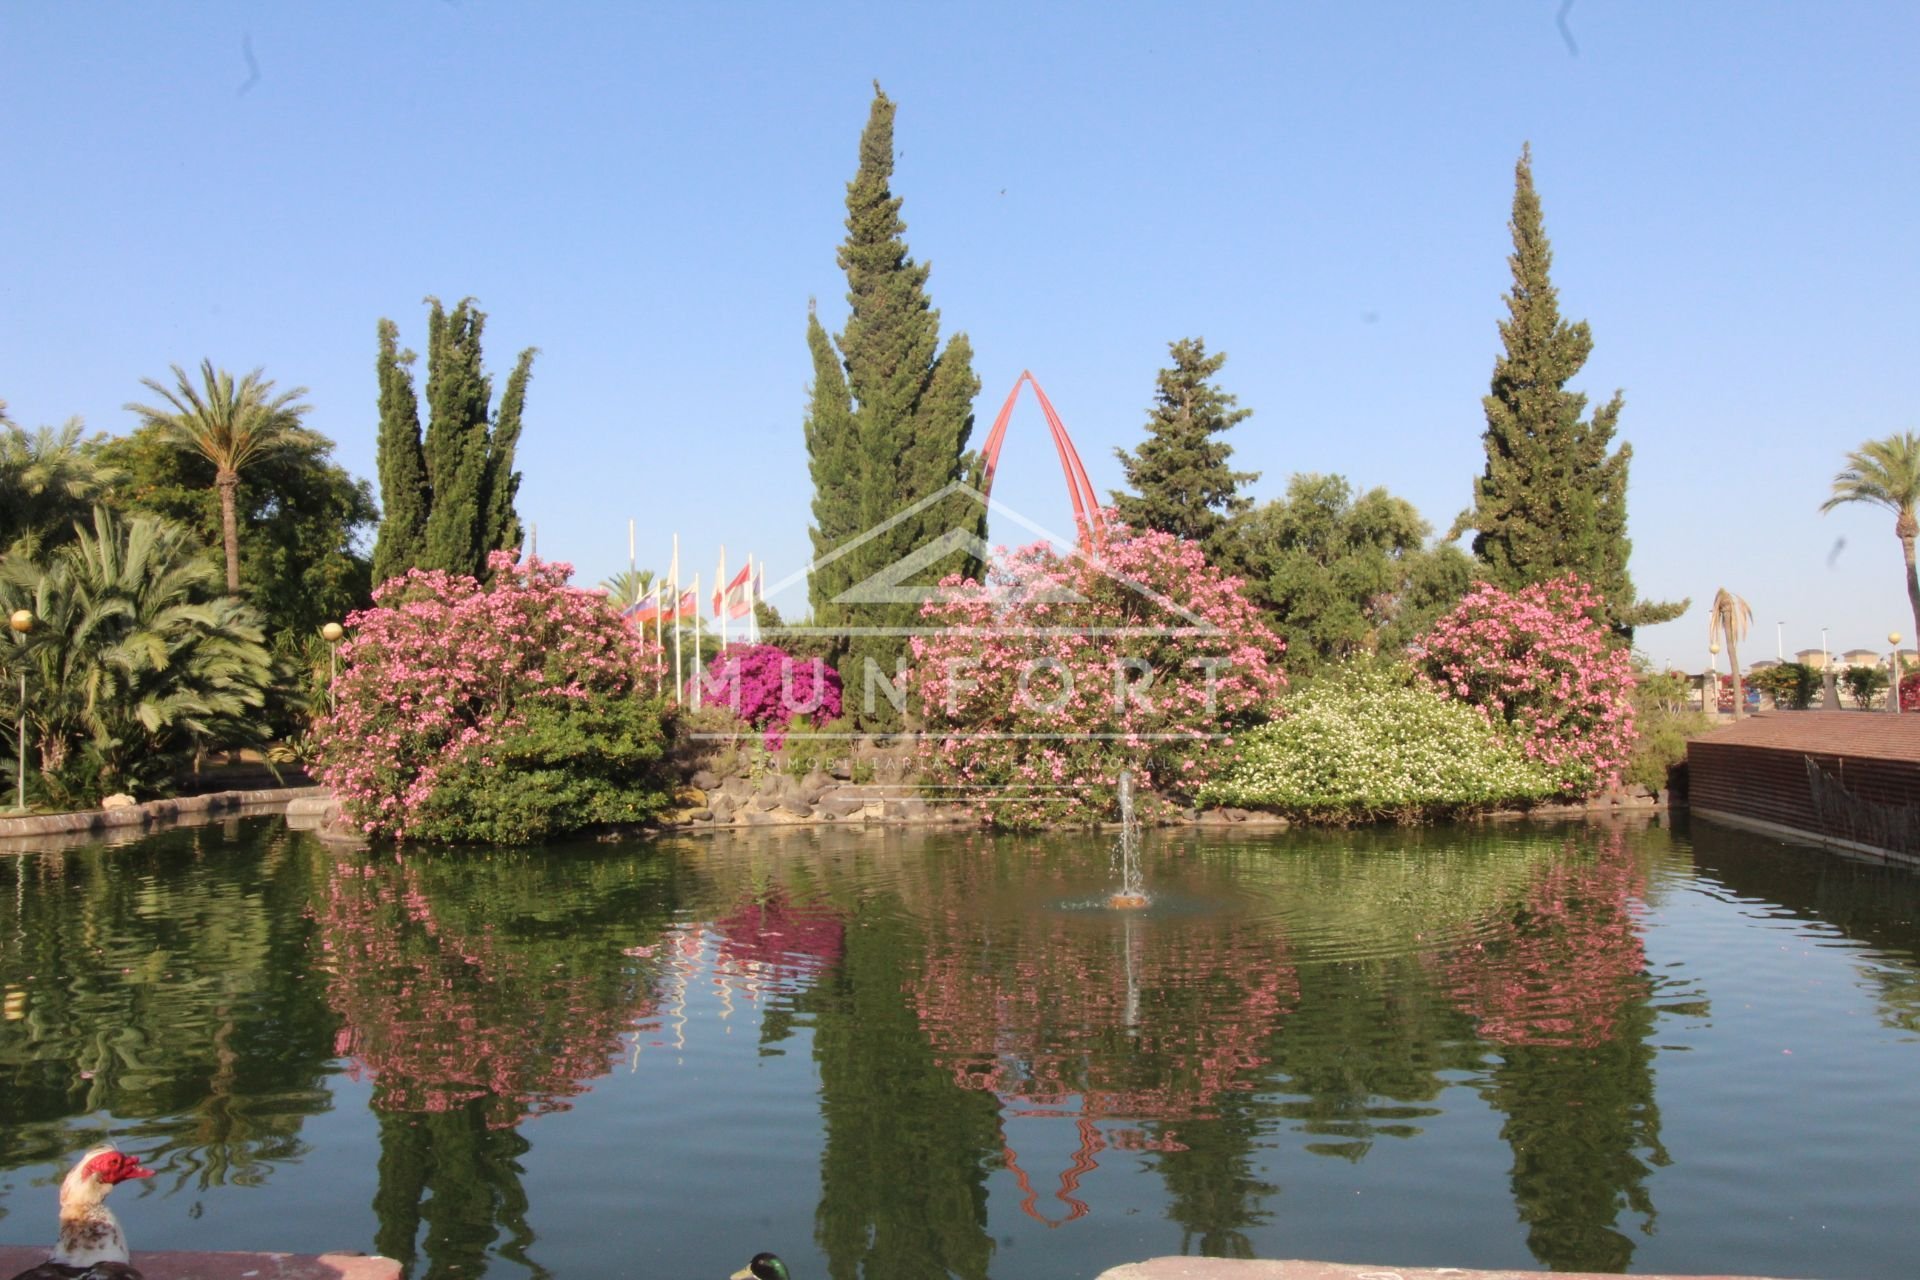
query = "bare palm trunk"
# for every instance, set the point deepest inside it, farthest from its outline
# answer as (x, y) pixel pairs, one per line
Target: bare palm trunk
(1913, 582)
(1739, 691)
(228, 482)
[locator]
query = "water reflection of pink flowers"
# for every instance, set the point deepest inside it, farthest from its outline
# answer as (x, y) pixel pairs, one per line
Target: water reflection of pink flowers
(1558, 968)
(778, 943)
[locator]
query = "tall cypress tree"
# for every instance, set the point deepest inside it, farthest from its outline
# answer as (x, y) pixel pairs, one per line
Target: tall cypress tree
(892, 431)
(448, 495)
(1552, 498)
(404, 496)
(1180, 477)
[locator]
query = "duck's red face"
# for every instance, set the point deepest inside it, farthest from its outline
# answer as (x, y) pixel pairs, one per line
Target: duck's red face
(113, 1167)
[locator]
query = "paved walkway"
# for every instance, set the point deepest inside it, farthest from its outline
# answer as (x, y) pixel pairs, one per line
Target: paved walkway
(1224, 1269)
(182, 1265)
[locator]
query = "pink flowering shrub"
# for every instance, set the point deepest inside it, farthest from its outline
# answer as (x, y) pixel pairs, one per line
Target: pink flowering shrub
(1041, 684)
(768, 687)
(1537, 662)
(1910, 691)
(508, 711)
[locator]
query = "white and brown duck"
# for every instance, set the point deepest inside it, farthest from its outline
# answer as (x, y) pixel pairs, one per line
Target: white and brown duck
(92, 1246)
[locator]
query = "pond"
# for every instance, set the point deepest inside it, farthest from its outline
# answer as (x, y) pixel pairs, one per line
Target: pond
(898, 1055)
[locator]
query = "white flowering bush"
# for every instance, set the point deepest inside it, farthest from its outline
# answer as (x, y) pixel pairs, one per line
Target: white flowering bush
(1370, 743)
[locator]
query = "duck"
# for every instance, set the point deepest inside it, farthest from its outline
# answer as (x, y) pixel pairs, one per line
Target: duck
(765, 1266)
(91, 1246)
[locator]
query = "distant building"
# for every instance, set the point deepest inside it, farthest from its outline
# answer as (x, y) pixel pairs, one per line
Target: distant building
(1863, 658)
(1815, 658)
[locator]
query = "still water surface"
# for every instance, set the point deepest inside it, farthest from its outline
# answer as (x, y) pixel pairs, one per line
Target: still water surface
(892, 1055)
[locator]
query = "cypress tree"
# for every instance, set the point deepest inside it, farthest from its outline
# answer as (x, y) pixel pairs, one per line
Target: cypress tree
(1552, 498)
(834, 460)
(894, 430)
(501, 523)
(456, 440)
(404, 497)
(1180, 477)
(448, 495)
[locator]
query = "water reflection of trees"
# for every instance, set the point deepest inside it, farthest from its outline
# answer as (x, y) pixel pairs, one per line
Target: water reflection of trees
(158, 982)
(478, 991)
(1558, 983)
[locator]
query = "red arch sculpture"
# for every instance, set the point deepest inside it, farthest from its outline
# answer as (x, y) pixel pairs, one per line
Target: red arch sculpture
(1087, 516)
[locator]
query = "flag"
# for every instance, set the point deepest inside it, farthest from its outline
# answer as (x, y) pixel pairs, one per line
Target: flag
(735, 600)
(644, 610)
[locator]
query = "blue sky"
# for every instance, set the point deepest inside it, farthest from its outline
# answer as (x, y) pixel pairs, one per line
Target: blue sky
(651, 194)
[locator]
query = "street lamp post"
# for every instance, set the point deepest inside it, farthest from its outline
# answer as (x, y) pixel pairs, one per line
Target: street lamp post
(21, 622)
(1710, 697)
(1780, 641)
(331, 633)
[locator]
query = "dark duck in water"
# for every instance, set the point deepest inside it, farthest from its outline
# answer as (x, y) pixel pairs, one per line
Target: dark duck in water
(92, 1246)
(765, 1266)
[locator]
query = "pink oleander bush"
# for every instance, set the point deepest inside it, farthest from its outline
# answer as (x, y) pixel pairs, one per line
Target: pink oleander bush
(1538, 663)
(1047, 680)
(1910, 691)
(768, 688)
(506, 711)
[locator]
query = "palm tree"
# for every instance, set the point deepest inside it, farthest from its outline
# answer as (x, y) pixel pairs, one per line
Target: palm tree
(137, 660)
(1730, 618)
(231, 425)
(48, 479)
(628, 587)
(1887, 474)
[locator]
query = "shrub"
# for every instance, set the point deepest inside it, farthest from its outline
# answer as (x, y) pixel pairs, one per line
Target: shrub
(767, 687)
(1910, 691)
(1663, 720)
(1864, 684)
(1540, 661)
(1041, 684)
(462, 709)
(1789, 684)
(1369, 743)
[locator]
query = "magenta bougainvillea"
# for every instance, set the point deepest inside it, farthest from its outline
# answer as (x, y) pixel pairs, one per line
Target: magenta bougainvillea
(1539, 663)
(443, 668)
(1910, 691)
(1041, 684)
(768, 688)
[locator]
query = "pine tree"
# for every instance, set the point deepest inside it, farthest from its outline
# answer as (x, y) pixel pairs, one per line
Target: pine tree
(1180, 477)
(448, 497)
(1552, 498)
(890, 432)
(404, 496)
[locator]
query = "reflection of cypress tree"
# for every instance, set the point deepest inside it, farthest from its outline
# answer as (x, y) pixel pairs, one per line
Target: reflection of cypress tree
(1584, 1128)
(1210, 1185)
(898, 1201)
(1562, 988)
(460, 1177)
(1361, 1036)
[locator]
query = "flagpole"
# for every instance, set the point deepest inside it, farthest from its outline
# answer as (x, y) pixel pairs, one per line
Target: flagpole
(696, 641)
(658, 642)
(720, 594)
(753, 614)
(677, 698)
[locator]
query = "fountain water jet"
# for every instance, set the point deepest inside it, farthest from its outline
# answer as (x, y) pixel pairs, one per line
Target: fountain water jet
(1132, 894)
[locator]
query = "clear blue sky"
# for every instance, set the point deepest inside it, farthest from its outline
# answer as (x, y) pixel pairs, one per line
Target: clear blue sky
(651, 194)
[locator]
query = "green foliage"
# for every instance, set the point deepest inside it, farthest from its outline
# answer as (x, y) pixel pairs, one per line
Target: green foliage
(234, 426)
(1791, 685)
(404, 494)
(570, 764)
(1552, 500)
(48, 481)
(1663, 720)
(887, 426)
(807, 748)
(448, 493)
(1335, 571)
(1864, 684)
(301, 518)
(136, 662)
(1886, 473)
(1181, 481)
(1369, 743)
(628, 587)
